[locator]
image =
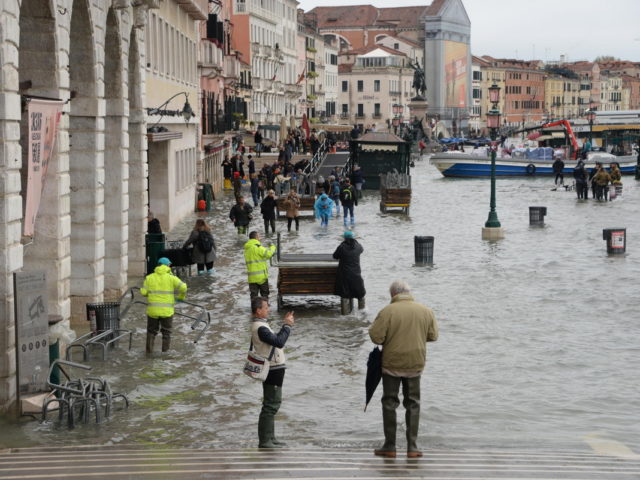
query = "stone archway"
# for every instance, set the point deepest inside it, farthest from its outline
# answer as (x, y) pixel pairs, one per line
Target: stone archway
(86, 164)
(115, 162)
(138, 198)
(38, 75)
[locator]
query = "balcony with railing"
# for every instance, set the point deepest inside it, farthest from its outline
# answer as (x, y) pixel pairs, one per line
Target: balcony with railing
(198, 9)
(255, 49)
(211, 59)
(231, 66)
(345, 115)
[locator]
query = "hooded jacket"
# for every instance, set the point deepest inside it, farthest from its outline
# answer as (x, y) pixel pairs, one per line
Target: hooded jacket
(349, 283)
(403, 328)
(257, 259)
(160, 289)
(323, 206)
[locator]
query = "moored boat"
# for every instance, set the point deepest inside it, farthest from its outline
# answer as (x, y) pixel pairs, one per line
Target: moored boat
(477, 163)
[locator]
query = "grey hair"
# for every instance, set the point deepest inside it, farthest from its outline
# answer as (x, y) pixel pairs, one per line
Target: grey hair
(399, 286)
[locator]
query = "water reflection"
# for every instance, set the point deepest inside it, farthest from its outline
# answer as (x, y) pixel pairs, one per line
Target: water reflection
(538, 342)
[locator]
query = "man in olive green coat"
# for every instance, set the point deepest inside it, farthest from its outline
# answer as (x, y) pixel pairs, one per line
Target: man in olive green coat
(403, 328)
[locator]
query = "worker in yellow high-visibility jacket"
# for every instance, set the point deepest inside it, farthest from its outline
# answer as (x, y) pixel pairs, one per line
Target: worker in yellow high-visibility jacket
(257, 258)
(160, 288)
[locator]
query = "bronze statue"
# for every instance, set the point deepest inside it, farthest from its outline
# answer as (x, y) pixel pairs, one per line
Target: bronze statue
(419, 82)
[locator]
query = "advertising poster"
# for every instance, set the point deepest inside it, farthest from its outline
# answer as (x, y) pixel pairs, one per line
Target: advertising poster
(455, 68)
(43, 118)
(32, 331)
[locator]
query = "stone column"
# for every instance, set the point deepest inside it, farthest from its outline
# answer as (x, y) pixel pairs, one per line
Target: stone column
(138, 171)
(10, 198)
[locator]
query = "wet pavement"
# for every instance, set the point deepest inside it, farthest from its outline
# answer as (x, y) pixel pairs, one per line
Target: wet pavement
(538, 349)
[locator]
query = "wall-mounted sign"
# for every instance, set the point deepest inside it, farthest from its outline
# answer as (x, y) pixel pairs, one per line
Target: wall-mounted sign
(32, 332)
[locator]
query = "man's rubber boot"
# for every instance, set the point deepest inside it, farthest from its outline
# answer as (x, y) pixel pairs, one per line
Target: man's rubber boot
(166, 343)
(278, 400)
(388, 449)
(150, 340)
(412, 417)
(270, 406)
(361, 304)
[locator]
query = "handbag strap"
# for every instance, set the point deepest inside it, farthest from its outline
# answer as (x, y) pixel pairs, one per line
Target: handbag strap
(273, 350)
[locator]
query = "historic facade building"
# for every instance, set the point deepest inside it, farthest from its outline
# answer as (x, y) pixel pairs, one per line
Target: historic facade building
(436, 36)
(89, 230)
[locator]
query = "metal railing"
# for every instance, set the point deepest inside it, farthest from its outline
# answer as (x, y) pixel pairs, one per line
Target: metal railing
(202, 317)
(312, 168)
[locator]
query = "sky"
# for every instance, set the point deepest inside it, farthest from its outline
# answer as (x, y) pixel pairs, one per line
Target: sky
(540, 29)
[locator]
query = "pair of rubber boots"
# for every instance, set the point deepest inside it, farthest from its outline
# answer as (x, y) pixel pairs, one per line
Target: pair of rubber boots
(389, 424)
(166, 343)
(266, 427)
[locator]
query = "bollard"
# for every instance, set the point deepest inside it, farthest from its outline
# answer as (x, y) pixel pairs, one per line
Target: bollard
(536, 216)
(616, 240)
(423, 250)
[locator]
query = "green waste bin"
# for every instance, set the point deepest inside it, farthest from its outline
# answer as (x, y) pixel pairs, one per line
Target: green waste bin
(154, 244)
(54, 351)
(205, 192)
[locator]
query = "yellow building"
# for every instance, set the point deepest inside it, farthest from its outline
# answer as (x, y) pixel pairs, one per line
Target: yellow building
(173, 107)
(562, 97)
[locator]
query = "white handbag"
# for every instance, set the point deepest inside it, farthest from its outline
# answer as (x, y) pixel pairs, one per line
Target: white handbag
(256, 366)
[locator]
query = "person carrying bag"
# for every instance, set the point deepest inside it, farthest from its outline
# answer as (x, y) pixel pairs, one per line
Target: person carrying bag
(266, 362)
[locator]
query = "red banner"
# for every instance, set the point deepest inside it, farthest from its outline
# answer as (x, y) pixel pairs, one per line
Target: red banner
(44, 117)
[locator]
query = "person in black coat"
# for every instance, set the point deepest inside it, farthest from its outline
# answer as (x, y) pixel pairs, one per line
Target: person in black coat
(268, 210)
(349, 283)
(240, 215)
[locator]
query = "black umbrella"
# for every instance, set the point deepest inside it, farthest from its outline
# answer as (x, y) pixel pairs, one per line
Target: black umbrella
(374, 374)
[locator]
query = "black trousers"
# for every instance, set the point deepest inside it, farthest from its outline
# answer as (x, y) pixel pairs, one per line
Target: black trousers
(201, 266)
(267, 222)
(259, 289)
(290, 220)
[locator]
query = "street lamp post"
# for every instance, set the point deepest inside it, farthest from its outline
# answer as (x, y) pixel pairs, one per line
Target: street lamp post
(492, 229)
(591, 116)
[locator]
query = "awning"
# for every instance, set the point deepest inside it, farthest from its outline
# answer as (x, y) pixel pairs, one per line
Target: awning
(274, 128)
(163, 136)
(603, 128)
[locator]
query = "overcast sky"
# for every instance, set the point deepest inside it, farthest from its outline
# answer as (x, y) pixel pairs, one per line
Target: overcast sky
(541, 29)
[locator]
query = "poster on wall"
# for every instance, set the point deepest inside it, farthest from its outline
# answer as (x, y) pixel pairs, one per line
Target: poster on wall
(456, 57)
(32, 332)
(43, 118)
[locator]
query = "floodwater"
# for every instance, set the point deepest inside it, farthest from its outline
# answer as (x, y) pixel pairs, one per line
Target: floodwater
(539, 333)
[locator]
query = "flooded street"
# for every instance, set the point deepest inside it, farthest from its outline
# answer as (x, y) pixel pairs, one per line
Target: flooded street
(539, 333)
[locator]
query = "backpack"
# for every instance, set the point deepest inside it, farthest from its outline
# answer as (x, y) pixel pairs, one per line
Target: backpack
(335, 189)
(204, 241)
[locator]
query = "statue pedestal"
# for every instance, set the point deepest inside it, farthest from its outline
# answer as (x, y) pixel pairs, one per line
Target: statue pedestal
(418, 108)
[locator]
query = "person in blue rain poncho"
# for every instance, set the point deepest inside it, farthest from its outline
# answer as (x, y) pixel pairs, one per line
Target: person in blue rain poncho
(324, 209)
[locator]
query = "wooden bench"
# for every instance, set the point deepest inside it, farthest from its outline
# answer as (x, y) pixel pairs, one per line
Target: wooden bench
(306, 205)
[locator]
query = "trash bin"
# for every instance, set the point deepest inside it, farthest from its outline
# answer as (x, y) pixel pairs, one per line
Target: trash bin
(616, 240)
(54, 351)
(154, 244)
(106, 316)
(536, 216)
(423, 249)
(205, 192)
(179, 257)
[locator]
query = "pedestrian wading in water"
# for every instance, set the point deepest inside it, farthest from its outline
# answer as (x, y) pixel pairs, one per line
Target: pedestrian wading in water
(204, 247)
(265, 340)
(403, 328)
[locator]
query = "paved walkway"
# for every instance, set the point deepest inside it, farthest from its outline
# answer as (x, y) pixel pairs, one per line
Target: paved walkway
(123, 461)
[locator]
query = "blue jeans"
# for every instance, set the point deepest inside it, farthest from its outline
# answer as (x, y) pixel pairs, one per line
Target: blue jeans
(324, 219)
(348, 209)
